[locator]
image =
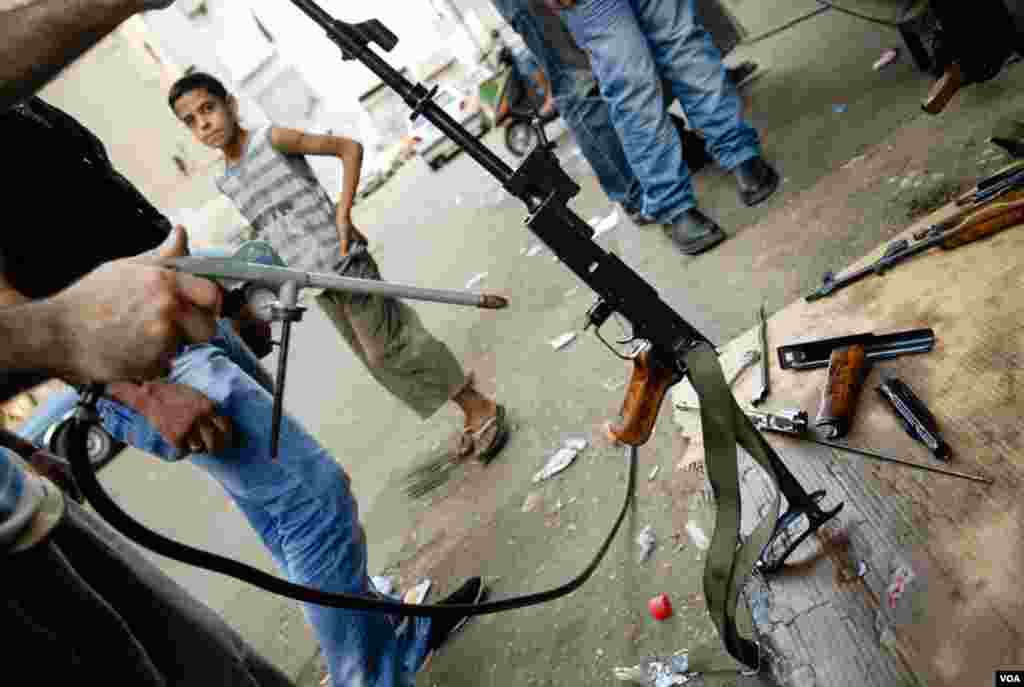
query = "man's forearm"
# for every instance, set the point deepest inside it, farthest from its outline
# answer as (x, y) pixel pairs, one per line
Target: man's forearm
(352, 163)
(38, 38)
(32, 338)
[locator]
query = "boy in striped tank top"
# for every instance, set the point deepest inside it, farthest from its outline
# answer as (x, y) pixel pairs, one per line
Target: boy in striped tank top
(271, 183)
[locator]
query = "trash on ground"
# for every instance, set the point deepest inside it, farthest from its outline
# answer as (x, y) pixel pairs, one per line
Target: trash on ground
(697, 535)
(562, 459)
(654, 473)
(759, 604)
(563, 340)
(385, 584)
(572, 292)
(535, 249)
(647, 542)
(417, 594)
(558, 506)
(660, 607)
(576, 443)
(887, 57)
(839, 108)
(476, 280)
(901, 578)
(533, 499)
(603, 225)
(657, 672)
(862, 569)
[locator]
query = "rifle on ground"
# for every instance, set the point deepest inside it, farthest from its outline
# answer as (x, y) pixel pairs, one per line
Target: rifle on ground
(990, 219)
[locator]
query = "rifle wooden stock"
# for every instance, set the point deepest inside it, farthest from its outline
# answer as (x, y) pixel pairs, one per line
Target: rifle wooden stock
(647, 388)
(847, 370)
(985, 222)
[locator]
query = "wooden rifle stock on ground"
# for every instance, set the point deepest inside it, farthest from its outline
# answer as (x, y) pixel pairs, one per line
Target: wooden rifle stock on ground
(986, 221)
(848, 367)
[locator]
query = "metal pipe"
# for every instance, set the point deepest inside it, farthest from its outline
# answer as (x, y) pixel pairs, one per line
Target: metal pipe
(228, 268)
(898, 461)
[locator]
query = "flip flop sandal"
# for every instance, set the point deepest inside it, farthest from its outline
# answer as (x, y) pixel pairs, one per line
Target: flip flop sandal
(491, 437)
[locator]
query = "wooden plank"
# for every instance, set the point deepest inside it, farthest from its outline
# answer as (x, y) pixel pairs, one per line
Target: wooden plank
(958, 544)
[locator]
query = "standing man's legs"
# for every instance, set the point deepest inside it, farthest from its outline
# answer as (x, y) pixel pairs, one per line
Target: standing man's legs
(584, 110)
(629, 65)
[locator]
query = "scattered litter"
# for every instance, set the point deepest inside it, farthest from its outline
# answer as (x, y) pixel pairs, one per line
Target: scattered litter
(602, 225)
(759, 604)
(576, 443)
(862, 569)
(901, 577)
(535, 249)
(558, 506)
(385, 584)
(839, 108)
(600, 653)
(572, 500)
(572, 292)
(657, 672)
(562, 459)
(647, 542)
(697, 535)
(558, 462)
(533, 500)
(887, 57)
(572, 527)
(417, 594)
(475, 280)
(563, 341)
(654, 473)
(660, 607)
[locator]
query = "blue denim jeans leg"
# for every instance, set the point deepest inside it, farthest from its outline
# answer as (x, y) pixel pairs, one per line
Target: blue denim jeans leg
(583, 110)
(633, 45)
(301, 506)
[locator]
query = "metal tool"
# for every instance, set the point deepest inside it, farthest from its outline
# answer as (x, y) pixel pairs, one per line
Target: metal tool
(917, 420)
(749, 359)
(763, 326)
(793, 422)
(808, 355)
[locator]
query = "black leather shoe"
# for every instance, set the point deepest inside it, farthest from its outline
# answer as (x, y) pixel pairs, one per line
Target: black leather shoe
(694, 232)
(756, 180)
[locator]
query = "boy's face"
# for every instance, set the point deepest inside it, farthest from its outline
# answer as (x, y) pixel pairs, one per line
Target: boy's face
(212, 120)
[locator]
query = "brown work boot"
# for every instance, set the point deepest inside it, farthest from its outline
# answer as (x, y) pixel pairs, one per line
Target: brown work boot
(943, 90)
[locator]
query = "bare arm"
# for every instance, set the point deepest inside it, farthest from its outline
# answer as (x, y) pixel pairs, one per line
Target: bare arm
(97, 330)
(38, 38)
(350, 152)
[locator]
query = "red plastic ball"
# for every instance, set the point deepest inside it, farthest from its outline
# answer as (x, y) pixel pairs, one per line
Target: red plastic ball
(660, 607)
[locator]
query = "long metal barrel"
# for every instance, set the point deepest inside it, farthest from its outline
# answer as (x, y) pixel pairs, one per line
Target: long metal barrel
(228, 268)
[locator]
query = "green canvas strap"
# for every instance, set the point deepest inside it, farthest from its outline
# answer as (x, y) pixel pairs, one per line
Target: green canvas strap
(730, 561)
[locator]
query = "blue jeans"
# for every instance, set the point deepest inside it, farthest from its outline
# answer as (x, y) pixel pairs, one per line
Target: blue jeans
(300, 505)
(633, 45)
(585, 112)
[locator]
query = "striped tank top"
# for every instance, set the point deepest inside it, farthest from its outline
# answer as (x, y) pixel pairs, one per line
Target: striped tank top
(285, 205)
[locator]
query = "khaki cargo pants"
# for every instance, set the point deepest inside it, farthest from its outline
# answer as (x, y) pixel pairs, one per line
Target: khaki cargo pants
(388, 336)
